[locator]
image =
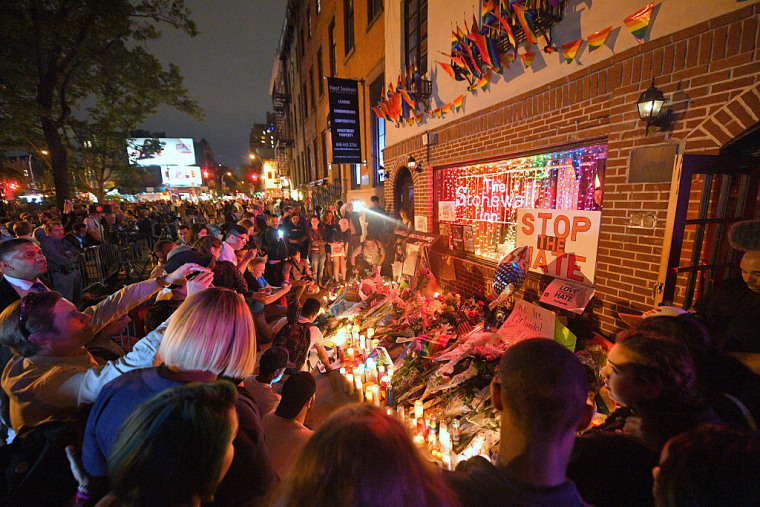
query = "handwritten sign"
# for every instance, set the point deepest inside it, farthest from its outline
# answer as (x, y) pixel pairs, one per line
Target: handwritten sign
(568, 295)
(421, 223)
(447, 211)
(528, 321)
(561, 243)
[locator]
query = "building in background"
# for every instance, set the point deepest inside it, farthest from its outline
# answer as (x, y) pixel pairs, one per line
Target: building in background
(558, 127)
(319, 39)
(263, 137)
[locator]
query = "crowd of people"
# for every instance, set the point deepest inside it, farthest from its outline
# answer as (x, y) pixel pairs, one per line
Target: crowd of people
(209, 405)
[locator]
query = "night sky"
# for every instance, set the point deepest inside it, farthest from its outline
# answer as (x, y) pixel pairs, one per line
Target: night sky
(227, 68)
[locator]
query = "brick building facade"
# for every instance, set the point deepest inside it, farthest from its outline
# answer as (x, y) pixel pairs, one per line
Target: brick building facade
(710, 75)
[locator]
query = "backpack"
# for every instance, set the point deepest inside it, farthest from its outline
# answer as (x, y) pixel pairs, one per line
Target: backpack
(295, 337)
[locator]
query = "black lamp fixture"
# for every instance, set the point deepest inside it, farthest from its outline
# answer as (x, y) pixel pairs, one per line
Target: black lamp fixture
(412, 164)
(650, 108)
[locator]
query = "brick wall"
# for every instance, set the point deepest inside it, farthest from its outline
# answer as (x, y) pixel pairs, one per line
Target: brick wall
(710, 74)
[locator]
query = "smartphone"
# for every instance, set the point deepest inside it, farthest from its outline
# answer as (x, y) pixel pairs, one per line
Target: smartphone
(279, 233)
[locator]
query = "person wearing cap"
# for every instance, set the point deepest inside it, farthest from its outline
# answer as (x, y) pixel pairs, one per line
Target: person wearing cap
(284, 431)
(271, 368)
(178, 257)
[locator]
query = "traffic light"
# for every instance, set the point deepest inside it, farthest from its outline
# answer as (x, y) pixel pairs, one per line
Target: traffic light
(254, 177)
(206, 174)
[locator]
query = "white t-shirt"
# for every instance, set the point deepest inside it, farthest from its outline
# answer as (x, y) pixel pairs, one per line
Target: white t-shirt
(285, 438)
(228, 253)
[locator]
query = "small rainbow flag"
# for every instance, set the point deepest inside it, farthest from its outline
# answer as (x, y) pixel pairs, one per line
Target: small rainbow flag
(473, 87)
(446, 109)
(597, 40)
(527, 58)
(449, 70)
(438, 113)
(570, 49)
(526, 21)
(458, 103)
(483, 82)
(638, 22)
(419, 118)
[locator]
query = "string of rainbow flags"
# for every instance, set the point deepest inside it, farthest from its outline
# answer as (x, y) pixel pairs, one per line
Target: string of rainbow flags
(401, 106)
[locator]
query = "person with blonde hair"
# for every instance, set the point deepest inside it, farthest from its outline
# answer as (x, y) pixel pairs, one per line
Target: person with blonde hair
(211, 335)
(362, 456)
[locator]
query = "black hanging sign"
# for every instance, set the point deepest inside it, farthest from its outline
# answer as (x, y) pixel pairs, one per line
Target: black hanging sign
(344, 121)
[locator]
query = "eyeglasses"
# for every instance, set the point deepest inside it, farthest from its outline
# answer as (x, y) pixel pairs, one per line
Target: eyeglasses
(30, 300)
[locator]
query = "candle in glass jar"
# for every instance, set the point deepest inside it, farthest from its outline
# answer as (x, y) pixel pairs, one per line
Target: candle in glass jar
(375, 394)
(359, 389)
(368, 395)
(370, 332)
(381, 371)
(375, 343)
(362, 342)
(350, 353)
(350, 382)
(418, 409)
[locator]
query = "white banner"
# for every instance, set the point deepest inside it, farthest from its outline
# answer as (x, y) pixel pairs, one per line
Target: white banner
(561, 243)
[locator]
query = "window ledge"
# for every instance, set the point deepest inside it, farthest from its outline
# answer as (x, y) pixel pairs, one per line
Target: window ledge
(349, 54)
(372, 21)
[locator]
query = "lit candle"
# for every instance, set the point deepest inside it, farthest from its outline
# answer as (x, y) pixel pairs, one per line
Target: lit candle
(381, 371)
(359, 389)
(375, 394)
(373, 374)
(401, 414)
(368, 395)
(418, 409)
(350, 381)
(362, 342)
(375, 343)
(370, 332)
(360, 372)
(419, 440)
(350, 353)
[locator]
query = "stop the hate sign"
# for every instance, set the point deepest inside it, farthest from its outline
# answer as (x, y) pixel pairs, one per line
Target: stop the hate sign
(561, 243)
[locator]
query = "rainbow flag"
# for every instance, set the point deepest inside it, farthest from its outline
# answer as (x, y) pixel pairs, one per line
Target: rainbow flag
(527, 58)
(638, 22)
(504, 11)
(419, 118)
(473, 87)
(407, 98)
(451, 71)
(570, 49)
(526, 21)
(458, 103)
(483, 82)
(493, 51)
(480, 42)
(437, 113)
(446, 109)
(379, 113)
(597, 40)
(430, 346)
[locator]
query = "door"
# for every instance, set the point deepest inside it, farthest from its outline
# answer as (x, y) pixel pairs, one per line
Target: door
(404, 191)
(714, 192)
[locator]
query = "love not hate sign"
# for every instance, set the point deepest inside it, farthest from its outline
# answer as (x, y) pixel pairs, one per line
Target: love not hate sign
(561, 243)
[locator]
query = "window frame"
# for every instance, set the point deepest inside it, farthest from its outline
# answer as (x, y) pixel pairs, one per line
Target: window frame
(415, 54)
(349, 22)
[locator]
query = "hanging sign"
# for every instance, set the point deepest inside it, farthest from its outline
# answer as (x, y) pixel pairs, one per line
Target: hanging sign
(561, 243)
(568, 295)
(344, 120)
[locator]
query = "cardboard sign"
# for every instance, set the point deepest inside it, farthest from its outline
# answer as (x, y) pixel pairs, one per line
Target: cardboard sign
(528, 321)
(469, 239)
(561, 243)
(457, 237)
(568, 295)
(420, 223)
(446, 211)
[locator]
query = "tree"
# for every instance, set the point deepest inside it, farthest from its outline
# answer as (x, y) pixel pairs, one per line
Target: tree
(59, 56)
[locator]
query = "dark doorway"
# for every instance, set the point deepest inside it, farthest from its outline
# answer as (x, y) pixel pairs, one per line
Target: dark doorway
(715, 191)
(404, 192)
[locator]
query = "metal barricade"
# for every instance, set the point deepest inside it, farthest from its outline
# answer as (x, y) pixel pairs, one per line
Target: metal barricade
(119, 264)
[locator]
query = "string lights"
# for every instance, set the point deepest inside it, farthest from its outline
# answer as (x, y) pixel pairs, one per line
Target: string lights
(487, 196)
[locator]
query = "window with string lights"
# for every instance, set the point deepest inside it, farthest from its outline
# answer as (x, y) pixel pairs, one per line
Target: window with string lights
(476, 204)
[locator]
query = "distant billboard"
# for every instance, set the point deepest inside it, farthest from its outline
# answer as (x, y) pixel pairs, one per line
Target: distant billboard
(181, 176)
(175, 151)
